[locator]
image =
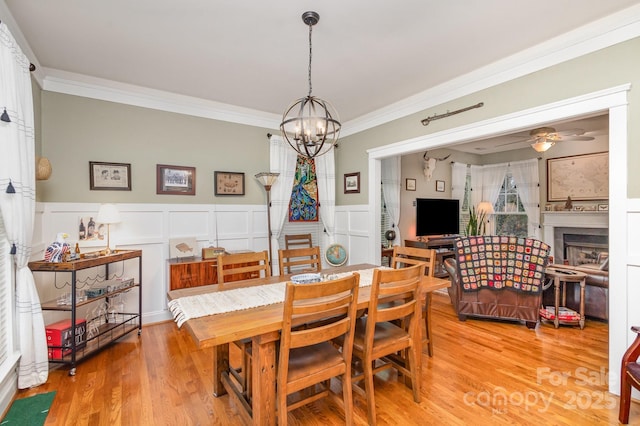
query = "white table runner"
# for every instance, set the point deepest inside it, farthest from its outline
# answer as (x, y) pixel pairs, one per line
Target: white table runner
(188, 307)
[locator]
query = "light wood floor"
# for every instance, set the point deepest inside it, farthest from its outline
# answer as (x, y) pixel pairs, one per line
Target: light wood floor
(482, 373)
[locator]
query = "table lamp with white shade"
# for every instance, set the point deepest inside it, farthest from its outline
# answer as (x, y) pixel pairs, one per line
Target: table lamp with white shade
(108, 214)
(485, 209)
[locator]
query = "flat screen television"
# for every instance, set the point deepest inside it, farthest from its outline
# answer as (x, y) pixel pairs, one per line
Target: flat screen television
(437, 216)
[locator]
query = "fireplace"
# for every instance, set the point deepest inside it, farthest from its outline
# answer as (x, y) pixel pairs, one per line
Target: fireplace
(578, 237)
(581, 245)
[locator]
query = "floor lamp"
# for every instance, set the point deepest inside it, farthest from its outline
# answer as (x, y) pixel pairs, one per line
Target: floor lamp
(267, 180)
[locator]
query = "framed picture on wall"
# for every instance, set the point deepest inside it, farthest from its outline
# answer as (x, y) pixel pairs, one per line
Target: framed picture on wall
(410, 184)
(352, 183)
(439, 186)
(109, 176)
(581, 177)
(175, 180)
(228, 183)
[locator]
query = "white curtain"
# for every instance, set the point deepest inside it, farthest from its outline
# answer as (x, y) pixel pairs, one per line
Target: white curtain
(527, 180)
(458, 181)
(282, 160)
(391, 186)
(326, 178)
(17, 169)
(475, 195)
(492, 178)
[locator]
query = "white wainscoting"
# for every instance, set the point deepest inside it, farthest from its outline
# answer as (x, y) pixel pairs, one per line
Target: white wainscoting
(148, 227)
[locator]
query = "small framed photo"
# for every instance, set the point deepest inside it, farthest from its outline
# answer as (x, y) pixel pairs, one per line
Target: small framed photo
(175, 180)
(410, 184)
(548, 207)
(439, 186)
(352, 183)
(109, 176)
(228, 183)
(603, 207)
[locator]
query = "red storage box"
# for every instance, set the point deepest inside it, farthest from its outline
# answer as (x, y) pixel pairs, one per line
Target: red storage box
(59, 337)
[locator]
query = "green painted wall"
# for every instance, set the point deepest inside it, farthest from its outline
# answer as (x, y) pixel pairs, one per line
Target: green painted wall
(616, 65)
(76, 130)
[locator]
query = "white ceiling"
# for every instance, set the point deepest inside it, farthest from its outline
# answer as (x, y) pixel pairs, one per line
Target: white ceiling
(367, 55)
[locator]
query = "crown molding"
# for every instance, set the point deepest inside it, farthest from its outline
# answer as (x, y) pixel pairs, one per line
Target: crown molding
(606, 32)
(107, 90)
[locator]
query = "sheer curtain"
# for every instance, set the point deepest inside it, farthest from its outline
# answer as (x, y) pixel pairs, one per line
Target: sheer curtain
(391, 186)
(17, 205)
(475, 194)
(458, 181)
(326, 176)
(527, 180)
(282, 160)
(492, 179)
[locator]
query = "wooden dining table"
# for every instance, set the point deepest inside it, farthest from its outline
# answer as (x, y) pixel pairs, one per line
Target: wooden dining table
(262, 325)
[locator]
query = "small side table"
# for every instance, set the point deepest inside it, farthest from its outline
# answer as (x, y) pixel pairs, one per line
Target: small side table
(562, 276)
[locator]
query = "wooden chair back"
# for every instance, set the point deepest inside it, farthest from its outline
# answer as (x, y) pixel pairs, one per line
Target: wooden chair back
(308, 357)
(242, 266)
(299, 260)
(297, 241)
(390, 332)
(406, 256)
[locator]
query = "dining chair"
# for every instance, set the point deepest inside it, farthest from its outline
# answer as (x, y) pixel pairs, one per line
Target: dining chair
(243, 266)
(235, 267)
(297, 241)
(308, 358)
(388, 336)
(404, 256)
(630, 376)
(299, 260)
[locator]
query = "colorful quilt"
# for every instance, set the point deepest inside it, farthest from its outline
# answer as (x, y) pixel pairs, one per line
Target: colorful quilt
(499, 262)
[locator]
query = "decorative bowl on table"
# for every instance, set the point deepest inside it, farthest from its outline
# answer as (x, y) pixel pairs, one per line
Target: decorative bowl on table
(306, 278)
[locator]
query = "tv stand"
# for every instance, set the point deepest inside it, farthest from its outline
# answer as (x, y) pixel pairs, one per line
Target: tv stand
(443, 246)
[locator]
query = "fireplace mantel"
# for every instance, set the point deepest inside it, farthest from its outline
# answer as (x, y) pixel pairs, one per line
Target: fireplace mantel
(571, 219)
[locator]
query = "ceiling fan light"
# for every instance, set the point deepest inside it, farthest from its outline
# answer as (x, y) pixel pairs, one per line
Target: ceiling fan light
(542, 146)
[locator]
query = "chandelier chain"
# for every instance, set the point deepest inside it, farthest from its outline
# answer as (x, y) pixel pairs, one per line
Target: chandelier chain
(310, 53)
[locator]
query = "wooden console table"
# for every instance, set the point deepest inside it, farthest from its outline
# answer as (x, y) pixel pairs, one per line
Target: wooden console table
(196, 272)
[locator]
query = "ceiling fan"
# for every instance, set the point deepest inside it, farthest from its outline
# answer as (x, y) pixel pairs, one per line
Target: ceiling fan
(543, 138)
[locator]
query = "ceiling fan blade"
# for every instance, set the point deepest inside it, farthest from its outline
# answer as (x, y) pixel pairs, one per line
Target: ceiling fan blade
(571, 132)
(514, 142)
(577, 138)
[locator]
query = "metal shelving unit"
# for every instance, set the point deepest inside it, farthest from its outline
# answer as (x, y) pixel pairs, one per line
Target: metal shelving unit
(109, 326)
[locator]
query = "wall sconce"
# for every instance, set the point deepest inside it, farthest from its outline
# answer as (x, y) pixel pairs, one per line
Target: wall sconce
(108, 214)
(267, 180)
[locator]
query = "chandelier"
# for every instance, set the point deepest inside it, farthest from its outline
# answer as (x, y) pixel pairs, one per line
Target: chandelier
(310, 125)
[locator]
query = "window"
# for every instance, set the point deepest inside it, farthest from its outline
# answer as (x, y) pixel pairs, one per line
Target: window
(510, 217)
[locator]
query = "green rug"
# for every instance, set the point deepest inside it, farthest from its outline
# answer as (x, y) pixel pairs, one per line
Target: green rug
(31, 411)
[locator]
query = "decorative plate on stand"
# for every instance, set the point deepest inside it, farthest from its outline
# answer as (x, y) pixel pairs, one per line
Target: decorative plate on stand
(335, 255)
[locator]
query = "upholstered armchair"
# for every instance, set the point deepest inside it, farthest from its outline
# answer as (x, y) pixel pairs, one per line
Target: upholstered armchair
(498, 277)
